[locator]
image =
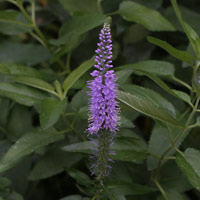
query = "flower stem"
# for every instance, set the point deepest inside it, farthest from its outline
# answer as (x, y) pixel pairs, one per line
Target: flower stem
(161, 189)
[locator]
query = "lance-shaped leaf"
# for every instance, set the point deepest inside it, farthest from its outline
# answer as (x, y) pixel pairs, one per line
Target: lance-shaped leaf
(146, 107)
(189, 164)
(22, 94)
(50, 111)
(181, 55)
(160, 68)
(190, 32)
(150, 19)
(26, 145)
(37, 83)
(132, 149)
(79, 25)
(76, 74)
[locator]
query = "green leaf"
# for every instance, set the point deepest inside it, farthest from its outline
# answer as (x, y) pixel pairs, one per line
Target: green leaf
(181, 55)
(150, 19)
(72, 197)
(121, 188)
(4, 183)
(179, 94)
(19, 122)
(50, 111)
(173, 195)
(190, 32)
(27, 144)
(132, 149)
(76, 74)
(30, 54)
(183, 96)
(80, 7)
(72, 30)
(79, 176)
(160, 142)
(154, 4)
(123, 75)
(52, 163)
(13, 22)
(160, 68)
(21, 94)
(36, 83)
(152, 96)
(23, 70)
(197, 121)
(171, 178)
(147, 107)
(189, 15)
(189, 164)
(125, 122)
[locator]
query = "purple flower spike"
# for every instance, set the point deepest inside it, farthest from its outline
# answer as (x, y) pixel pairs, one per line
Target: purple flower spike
(103, 106)
(104, 119)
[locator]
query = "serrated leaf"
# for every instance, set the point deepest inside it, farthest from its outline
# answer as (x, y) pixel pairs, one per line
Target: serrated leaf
(171, 178)
(132, 149)
(50, 111)
(151, 95)
(79, 25)
(13, 22)
(181, 55)
(189, 164)
(30, 54)
(36, 83)
(184, 96)
(121, 188)
(52, 163)
(160, 68)
(125, 122)
(23, 70)
(179, 94)
(146, 107)
(123, 75)
(26, 145)
(160, 142)
(79, 176)
(76, 74)
(21, 94)
(150, 19)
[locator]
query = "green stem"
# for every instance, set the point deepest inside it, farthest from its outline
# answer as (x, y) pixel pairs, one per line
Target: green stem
(40, 37)
(37, 30)
(33, 11)
(161, 189)
(64, 131)
(181, 82)
(178, 137)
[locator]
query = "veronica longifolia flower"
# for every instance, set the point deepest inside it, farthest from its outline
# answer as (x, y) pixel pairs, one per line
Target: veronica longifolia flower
(103, 105)
(104, 120)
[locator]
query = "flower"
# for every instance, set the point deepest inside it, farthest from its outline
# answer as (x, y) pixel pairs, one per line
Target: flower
(103, 106)
(104, 119)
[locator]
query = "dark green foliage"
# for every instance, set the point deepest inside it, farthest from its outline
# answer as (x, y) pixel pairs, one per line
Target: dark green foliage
(46, 56)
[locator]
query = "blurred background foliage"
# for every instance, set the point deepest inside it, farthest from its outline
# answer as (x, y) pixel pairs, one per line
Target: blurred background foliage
(46, 54)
